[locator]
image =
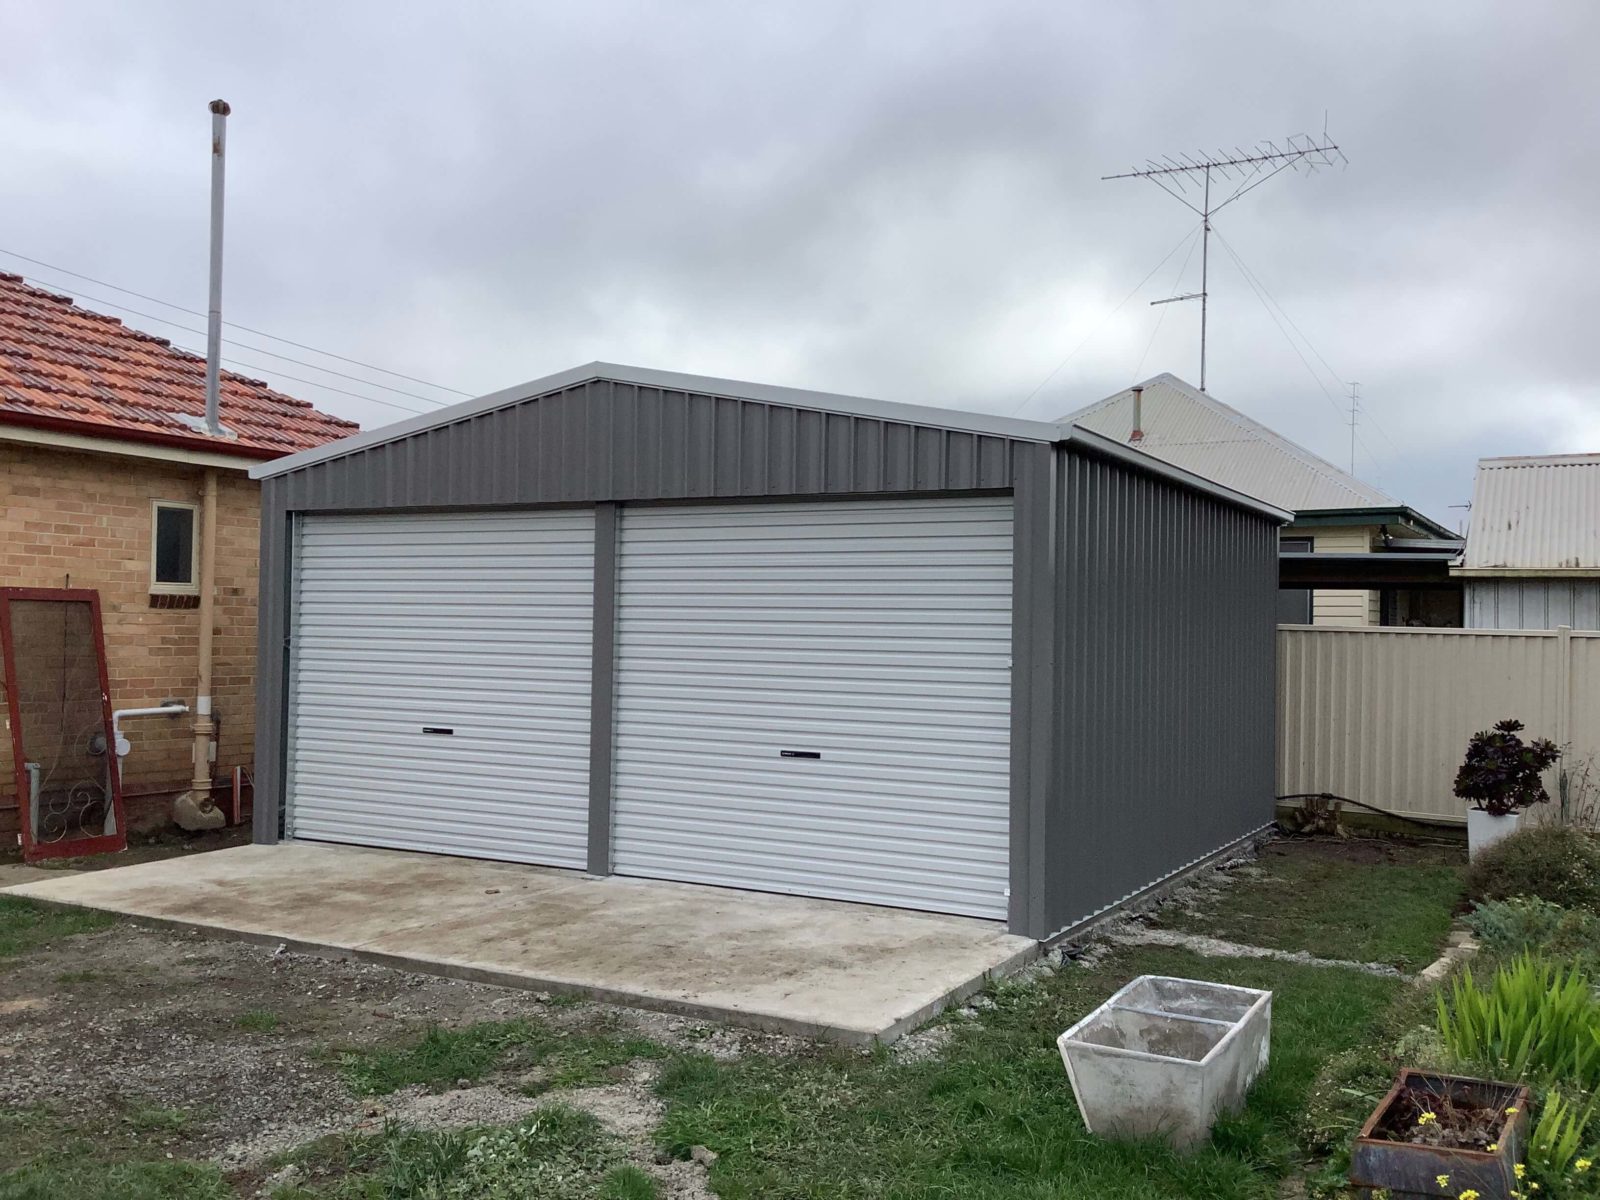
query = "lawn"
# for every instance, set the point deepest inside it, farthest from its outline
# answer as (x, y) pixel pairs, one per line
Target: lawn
(25, 926)
(1363, 901)
(976, 1108)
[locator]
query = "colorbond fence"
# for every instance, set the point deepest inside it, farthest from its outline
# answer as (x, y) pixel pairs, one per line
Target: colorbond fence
(1383, 715)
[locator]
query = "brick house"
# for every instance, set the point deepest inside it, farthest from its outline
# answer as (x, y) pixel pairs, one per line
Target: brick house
(103, 466)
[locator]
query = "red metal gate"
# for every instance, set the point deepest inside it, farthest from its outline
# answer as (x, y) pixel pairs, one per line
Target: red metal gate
(63, 747)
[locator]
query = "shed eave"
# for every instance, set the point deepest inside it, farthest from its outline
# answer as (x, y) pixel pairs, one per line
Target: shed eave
(761, 393)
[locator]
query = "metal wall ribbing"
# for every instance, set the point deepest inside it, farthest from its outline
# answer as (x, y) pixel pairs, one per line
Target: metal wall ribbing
(1164, 680)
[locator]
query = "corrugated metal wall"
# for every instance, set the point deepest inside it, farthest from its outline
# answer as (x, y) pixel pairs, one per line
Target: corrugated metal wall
(1383, 715)
(616, 441)
(1163, 682)
(1526, 603)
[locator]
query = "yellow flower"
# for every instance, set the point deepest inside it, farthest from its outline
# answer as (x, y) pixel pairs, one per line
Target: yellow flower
(1533, 1186)
(1469, 1194)
(1492, 1147)
(1583, 1164)
(1425, 1119)
(1511, 1112)
(1442, 1180)
(1520, 1169)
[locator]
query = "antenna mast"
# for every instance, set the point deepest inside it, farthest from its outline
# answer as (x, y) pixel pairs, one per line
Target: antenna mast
(1249, 169)
(1355, 409)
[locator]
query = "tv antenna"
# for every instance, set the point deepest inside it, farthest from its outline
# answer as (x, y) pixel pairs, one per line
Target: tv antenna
(1355, 412)
(1248, 170)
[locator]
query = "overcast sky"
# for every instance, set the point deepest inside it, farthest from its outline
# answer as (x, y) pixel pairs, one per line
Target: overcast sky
(900, 200)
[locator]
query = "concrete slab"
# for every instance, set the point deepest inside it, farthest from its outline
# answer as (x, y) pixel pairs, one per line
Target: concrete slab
(853, 972)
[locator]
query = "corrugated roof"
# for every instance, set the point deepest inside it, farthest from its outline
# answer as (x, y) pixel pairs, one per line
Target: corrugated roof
(1192, 430)
(1535, 514)
(62, 366)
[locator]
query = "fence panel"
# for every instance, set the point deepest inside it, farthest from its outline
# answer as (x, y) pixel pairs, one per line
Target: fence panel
(1383, 715)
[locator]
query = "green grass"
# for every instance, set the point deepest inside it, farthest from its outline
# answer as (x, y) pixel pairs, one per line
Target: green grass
(66, 1155)
(258, 1020)
(442, 1056)
(1390, 913)
(556, 1153)
(993, 1116)
(26, 926)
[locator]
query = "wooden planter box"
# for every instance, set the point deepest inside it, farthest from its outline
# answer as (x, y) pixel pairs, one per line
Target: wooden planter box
(1409, 1170)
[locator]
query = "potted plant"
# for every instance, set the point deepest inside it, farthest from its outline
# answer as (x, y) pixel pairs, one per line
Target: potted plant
(1443, 1135)
(1502, 776)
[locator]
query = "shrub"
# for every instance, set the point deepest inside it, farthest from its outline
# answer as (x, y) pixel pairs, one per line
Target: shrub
(1508, 927)
(1548, 862)
(1502, 773)
(1536, 1020)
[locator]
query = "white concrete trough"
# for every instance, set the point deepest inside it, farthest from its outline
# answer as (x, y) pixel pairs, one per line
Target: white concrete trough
(1163, 1057)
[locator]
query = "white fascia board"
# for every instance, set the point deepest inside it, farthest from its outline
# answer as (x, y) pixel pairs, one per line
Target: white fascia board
(57, 440)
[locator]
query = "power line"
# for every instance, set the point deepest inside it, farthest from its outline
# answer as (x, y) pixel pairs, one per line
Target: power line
(327, 387)
(1255, 280)
(1104, 321)
(270, 353)
(232, 324)
(1293, 345)
(1154, 333)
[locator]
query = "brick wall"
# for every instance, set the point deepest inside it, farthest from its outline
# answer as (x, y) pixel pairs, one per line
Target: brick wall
(69, 519)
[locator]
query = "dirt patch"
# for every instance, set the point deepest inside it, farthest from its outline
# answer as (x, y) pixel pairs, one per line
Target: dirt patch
(243, 1043)
(1369, 851)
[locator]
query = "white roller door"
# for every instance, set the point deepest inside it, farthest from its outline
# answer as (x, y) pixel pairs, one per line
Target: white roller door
(815, 698)
(439, 683)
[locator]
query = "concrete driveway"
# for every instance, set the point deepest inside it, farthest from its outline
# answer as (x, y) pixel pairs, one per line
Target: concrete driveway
(821, 968)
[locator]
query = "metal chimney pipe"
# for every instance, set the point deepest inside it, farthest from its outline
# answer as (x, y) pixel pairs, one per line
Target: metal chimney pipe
(1138, 415)
(219, 139)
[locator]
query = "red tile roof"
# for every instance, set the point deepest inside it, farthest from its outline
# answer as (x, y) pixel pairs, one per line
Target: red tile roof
(65, 367)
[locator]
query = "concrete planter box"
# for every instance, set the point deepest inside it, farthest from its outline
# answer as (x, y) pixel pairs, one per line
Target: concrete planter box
(1485, 829)
(1164, 1056)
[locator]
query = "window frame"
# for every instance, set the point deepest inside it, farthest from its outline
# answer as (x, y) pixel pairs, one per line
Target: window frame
(192, 588)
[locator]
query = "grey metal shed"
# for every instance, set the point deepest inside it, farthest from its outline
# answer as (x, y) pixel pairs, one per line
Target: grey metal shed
(637, 622)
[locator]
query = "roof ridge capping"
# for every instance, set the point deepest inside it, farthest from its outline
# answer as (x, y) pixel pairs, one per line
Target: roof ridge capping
(959, 420)
(1508, 461)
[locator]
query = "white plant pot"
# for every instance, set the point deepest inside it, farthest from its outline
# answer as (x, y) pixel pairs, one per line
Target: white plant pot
(1484, 829)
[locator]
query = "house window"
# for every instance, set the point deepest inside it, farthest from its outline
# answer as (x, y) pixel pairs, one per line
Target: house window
(173, 548)
(1296, 545)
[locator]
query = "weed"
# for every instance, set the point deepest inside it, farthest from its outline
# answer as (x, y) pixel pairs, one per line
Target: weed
(258, 1020)
(443, 1056)
(26, 925)
(75, 978)
(628, 1183)
(67, 1180)
(153, 1118)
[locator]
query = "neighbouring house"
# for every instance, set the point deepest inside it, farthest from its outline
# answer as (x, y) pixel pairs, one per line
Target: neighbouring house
(1532, 559)
(104, 470)
(659, 625)
(1336, 514)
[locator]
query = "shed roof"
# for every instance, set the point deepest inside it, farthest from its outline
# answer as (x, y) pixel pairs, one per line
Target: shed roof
(1198, 432)
(1046, 432)
(67, 368)
(1536, 515)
